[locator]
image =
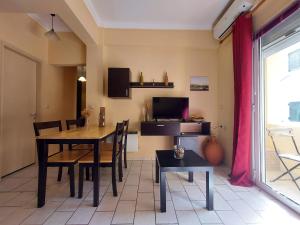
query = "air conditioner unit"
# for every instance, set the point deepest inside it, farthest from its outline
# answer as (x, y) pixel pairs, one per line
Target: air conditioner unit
(223, 26)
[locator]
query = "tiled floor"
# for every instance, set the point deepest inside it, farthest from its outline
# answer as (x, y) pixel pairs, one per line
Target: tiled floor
(284, 185)
(138, 201)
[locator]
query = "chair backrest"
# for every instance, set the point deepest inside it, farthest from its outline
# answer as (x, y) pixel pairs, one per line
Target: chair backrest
(71, 123)
(118, 141)
(286, 132)
(38, 126)
(126, 125)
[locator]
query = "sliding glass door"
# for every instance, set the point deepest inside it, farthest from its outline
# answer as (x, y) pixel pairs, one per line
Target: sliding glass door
(277, 113)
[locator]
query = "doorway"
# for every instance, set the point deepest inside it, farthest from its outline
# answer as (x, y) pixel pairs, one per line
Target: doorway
(18, 110)
(277, 112)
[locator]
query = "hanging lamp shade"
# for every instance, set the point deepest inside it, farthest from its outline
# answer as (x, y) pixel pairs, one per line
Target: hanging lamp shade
(51, 34)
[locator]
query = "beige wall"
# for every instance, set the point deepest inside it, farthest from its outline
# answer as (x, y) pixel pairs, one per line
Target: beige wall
(226, 98)
(181, 53)
(57, 100)
(23, 33)
(55, 85)
(70, 50)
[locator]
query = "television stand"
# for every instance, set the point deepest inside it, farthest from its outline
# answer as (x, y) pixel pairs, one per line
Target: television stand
(168, 120)
(190, 135)
(174, 128)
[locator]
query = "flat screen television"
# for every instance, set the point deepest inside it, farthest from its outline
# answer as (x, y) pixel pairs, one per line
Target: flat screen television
(170, 108)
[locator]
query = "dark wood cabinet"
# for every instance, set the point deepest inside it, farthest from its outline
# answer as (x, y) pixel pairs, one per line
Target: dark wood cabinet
(160, 128)
(118, 82)
(173, 128)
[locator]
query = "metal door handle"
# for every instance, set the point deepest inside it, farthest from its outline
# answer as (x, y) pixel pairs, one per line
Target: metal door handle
(33, 115)
(160, 125)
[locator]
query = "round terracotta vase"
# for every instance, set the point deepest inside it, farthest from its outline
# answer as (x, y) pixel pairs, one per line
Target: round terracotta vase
(212, 151)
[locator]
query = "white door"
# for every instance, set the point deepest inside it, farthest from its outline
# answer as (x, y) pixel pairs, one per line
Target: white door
(18, 96)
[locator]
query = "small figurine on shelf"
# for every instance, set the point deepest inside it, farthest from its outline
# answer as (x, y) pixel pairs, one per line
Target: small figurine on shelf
(153, 82)
(166, 79)
(141, 79)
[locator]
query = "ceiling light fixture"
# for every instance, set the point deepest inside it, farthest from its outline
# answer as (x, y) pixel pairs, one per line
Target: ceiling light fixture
(51, 34)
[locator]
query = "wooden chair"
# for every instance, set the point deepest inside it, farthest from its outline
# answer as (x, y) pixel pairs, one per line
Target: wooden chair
(283, 157)
(62, 158)
(74, 124)
(109, 146)
(109, 158)
(71, 124)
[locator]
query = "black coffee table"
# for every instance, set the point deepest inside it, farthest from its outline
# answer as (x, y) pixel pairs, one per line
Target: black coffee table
(165, 162)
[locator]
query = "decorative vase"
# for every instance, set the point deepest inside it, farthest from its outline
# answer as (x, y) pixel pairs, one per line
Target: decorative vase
(178, 152)
(166, 79)
(212, 151)
(147, 111)
(141, 79)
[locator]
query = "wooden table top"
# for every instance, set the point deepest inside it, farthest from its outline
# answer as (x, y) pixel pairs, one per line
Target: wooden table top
(91, 132)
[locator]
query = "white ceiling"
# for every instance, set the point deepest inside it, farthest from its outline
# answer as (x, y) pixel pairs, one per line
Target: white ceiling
(156, 14)
(45, 21)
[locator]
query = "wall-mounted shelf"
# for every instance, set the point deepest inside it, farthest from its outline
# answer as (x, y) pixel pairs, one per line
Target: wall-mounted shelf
(151, 85)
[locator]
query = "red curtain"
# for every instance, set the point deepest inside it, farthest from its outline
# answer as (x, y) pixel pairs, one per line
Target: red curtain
(242, 57)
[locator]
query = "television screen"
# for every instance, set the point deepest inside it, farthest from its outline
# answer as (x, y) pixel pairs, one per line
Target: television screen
(170, 108)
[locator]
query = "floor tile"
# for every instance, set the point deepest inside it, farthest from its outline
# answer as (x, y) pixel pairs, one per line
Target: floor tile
(129, 192)
(19, 215)
(187, 218)
(102, 218)
(9, 184)
(226, 192)
(230, 218)
(181, 201)
(22, 199)
(220, 203)
(135, 202)
(40, 215)
(145, 201)
(132, 179)
(206, 216)
(167, 217)
(6, 196)
(145, 186)
(58, 218)
(144, 218)
(175, 186)
(82, 215)
(194, 193)
(245, 212)
(71, 204)
(6, 211)
(108, 202)
(124, 212)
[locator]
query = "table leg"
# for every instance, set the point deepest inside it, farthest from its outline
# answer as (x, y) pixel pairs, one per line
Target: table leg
(156, 171)
(209, 190)
(162, 191)
(42, 149)
(96, 173)
(191, 176)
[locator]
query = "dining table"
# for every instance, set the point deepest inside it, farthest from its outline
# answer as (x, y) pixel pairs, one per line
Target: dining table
(90, 135)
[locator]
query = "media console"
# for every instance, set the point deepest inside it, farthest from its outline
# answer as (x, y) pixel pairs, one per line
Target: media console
(190, 135)
(174, 128)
